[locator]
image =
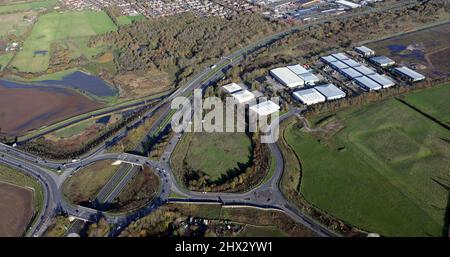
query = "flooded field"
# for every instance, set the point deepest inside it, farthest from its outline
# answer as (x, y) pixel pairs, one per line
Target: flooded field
(84, 83)
(426, 50)
(25, 107)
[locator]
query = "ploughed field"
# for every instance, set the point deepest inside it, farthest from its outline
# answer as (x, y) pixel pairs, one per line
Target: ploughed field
(27, 107)
(16, 209)
(20, 197)
(386, 171)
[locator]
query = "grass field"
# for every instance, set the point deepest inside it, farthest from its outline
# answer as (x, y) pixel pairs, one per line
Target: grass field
(86, 183)
(385, 172)
(75, 129)
(15, 23)
(217, 153)
(14, 7)
(433, 102)
(261, 231)
(4, 60)
(128, 20)
(52, 28)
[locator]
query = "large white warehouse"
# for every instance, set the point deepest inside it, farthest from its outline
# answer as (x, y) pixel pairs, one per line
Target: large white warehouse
(265, 108)
(409, 74)
(365, 51)
(243, 96)
(231, 88)
(384, 81)
(330, 91)
(309, 96)
(367, 84)
(286, 77)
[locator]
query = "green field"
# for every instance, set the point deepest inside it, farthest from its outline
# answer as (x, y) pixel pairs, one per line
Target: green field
(15, 23)
(52, 28)
(128, 20)
(217, 153)
(4, 60)
(260, 231)
(75, 129)
(27, 6)
(433, 102)
(86, 183)
(387, 171)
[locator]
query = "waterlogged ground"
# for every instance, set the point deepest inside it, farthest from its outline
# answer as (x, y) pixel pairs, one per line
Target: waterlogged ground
(83, 82)
(26, 107)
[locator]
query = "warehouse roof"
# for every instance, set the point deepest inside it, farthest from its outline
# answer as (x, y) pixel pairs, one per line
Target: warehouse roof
(265, 108)
(232, 87)
(297, 69)
(309, 96)
(339, 65)
(382, 60)
(309, 77)
(348, 4)
(382, 80)
(351, 63)
(243, 96)
(368, 83)
(365, 50)
(328, 59)
(351, 73)
(286, 76)
(330, 91)
(410, 73)
(364, 70)
(340, 56)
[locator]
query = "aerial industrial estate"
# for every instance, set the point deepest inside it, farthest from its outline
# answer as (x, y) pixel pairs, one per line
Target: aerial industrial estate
(354, 94)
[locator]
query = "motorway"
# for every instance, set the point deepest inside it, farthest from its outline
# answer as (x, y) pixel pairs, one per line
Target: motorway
(52, 174)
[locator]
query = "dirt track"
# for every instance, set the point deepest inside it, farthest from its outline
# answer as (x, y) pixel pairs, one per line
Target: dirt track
(16, 209)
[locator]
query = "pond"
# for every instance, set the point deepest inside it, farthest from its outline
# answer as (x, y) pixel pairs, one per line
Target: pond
(84, 83)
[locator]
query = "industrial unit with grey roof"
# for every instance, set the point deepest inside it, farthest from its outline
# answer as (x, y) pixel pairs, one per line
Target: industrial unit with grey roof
(330, 91)
(364, 70)
(351, 63)
(365, 51)
(308, 77)
(309, 96)
(350, 73)
(328, 59)
(298, 69)
(382, 61)
(367, 84)
(382, 80)
(410, 74)
(286, 77)
(338, 65)
(340, 56)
